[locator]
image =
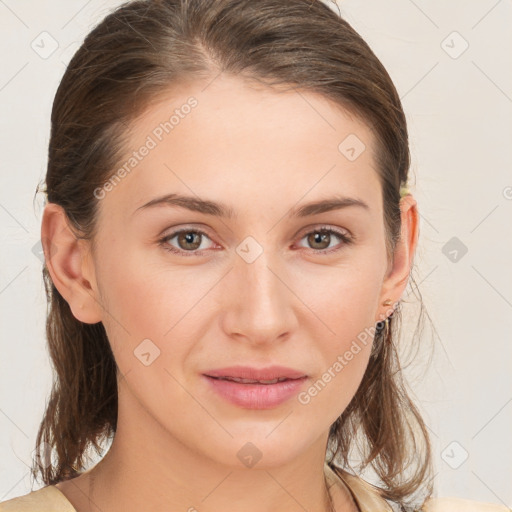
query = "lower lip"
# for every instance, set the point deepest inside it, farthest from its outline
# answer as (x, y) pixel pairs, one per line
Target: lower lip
(256, 396)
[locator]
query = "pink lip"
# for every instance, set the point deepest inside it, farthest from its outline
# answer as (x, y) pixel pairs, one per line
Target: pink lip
(255, 395)
(247, 372)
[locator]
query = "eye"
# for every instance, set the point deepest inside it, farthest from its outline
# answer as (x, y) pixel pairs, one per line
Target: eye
(321, 238)
(188, 240)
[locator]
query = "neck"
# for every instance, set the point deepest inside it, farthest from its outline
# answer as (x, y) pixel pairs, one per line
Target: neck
(168, 475)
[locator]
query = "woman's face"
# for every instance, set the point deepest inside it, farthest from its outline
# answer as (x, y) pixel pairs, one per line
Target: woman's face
(256, 288)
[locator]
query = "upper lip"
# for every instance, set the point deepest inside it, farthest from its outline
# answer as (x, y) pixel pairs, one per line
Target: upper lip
(247, 372)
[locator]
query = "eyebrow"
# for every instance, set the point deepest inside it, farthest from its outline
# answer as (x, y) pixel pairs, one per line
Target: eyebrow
(216, 209)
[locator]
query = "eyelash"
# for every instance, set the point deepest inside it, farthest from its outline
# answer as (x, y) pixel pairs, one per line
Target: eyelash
(163, 242)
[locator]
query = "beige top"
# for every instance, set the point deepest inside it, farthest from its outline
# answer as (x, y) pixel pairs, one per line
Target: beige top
(366, 497)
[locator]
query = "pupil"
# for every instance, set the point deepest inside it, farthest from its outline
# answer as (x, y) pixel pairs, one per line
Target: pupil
(188, 239)
(319, 238)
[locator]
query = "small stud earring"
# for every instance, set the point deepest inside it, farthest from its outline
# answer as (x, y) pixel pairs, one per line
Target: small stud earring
(387, 302)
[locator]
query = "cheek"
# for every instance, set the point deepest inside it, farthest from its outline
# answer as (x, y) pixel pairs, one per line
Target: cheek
(343, 298)
(153, 314)
(344, 301)
(333, 390)
(149, 332)
(345, 358)
(147, 295)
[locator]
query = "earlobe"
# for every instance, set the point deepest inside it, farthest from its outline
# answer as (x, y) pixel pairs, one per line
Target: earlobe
(67, 263)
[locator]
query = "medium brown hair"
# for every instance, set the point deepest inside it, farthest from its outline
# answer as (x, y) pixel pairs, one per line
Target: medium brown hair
(129, 60)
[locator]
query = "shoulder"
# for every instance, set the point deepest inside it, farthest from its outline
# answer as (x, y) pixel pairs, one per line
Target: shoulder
(447, 504)
(369, 499)
(46, 499)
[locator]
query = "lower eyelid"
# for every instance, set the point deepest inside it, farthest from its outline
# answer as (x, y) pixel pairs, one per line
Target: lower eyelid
(345, 238)
(164, 241)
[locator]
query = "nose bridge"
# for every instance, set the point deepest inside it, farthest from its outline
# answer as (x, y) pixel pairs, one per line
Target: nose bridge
(261, 283)
(260, 307)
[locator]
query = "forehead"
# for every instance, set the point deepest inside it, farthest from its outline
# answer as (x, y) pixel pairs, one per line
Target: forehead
(245, 145)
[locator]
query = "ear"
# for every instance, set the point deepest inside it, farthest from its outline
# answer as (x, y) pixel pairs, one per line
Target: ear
(70, 265)
(397, 275)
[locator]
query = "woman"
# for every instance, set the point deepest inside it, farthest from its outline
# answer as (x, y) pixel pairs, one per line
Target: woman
(228, 235)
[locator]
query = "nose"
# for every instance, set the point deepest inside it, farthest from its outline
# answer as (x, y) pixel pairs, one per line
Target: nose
(259, 305)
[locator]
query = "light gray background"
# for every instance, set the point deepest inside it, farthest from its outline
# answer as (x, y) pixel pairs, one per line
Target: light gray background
(459, 106)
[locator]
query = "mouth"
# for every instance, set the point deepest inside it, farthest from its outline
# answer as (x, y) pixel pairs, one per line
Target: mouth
(251, 393)
(239, 380)
(248, 374)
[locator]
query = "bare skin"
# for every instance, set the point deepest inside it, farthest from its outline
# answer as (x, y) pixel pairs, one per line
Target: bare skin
(262, 153)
